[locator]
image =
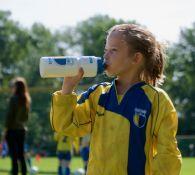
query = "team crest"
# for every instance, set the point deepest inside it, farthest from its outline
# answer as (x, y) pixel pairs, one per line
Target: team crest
(139, 118)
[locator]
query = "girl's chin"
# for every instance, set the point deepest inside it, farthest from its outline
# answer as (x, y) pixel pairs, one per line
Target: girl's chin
(110, 74)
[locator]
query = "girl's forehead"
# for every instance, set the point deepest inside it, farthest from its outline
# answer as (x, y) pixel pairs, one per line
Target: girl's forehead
(115, 38)
(115, 34)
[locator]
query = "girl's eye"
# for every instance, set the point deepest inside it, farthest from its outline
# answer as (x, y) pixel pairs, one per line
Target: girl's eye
(114, 50)
(110, 50)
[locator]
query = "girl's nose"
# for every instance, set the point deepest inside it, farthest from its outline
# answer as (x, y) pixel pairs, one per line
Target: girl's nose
(106, 55)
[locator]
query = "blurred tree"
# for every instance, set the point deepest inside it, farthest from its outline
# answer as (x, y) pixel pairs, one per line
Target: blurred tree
(21, 50)
(13, 44)
(41, 43)
(181, 79)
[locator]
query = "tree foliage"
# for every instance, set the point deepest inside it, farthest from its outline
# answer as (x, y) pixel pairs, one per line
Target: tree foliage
(181, 79)
(13, 44)
(22, 48)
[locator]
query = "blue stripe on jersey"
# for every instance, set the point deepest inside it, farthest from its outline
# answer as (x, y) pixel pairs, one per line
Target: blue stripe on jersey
(87, 93)
(136, 107)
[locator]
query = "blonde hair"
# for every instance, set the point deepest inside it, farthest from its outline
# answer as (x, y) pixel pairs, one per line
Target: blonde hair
(143, 41)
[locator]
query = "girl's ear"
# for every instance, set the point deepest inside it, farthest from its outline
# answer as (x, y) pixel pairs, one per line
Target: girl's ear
(138, 58)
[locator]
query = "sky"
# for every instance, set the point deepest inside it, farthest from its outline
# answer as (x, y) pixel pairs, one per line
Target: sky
(164, 18)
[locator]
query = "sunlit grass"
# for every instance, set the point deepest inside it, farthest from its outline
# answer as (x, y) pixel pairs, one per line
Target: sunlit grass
(45, 165)
(49, 165)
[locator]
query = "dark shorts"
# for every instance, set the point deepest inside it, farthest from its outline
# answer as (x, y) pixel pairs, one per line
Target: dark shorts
(85, 153)
(64, 155)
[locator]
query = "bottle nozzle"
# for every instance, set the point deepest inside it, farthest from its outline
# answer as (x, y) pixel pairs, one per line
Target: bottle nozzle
(100, 66)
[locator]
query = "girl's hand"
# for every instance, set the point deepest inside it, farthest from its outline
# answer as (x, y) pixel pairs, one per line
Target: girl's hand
(69, 83)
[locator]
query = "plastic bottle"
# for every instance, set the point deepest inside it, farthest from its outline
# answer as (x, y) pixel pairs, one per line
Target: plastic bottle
(64, 66)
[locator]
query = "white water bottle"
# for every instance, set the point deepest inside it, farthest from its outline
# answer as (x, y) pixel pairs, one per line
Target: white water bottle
(64, 66)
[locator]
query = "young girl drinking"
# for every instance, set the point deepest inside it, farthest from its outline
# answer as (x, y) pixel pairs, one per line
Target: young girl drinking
(132, 122)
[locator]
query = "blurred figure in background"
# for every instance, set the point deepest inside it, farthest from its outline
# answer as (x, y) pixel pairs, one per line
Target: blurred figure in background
(17, 116)
(3, 146)
(191, 149)
(64, 148)
(85, 150)
(4, 150)
(27, 152)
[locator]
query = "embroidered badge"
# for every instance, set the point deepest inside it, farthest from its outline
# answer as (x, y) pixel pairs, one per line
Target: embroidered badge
(139, 118)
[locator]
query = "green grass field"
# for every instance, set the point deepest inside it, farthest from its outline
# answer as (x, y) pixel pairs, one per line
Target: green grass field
(45, 165)
(49, 165)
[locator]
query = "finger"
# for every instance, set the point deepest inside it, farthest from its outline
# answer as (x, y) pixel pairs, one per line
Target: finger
(81, 72)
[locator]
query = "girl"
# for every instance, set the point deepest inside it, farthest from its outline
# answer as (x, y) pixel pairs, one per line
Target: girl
(132, 122)
(16, 118)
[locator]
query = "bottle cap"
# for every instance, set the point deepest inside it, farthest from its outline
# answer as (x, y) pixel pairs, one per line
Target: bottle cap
(100, 66)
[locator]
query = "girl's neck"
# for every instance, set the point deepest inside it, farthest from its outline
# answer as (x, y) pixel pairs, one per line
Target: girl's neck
(123, 83)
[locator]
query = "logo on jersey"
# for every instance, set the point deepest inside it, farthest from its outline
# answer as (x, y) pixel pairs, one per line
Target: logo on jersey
(139, 118)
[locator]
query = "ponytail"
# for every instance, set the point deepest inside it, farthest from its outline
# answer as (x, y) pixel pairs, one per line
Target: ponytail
(154, 66)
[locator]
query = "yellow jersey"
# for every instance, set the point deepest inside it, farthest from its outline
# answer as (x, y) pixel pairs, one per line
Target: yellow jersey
(133, 137)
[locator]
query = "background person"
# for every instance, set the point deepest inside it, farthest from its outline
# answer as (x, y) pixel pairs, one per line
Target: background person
(16, 118)
(64, 149)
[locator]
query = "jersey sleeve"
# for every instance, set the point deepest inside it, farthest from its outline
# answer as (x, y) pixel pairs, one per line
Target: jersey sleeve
(74, 114)
(167, 159)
